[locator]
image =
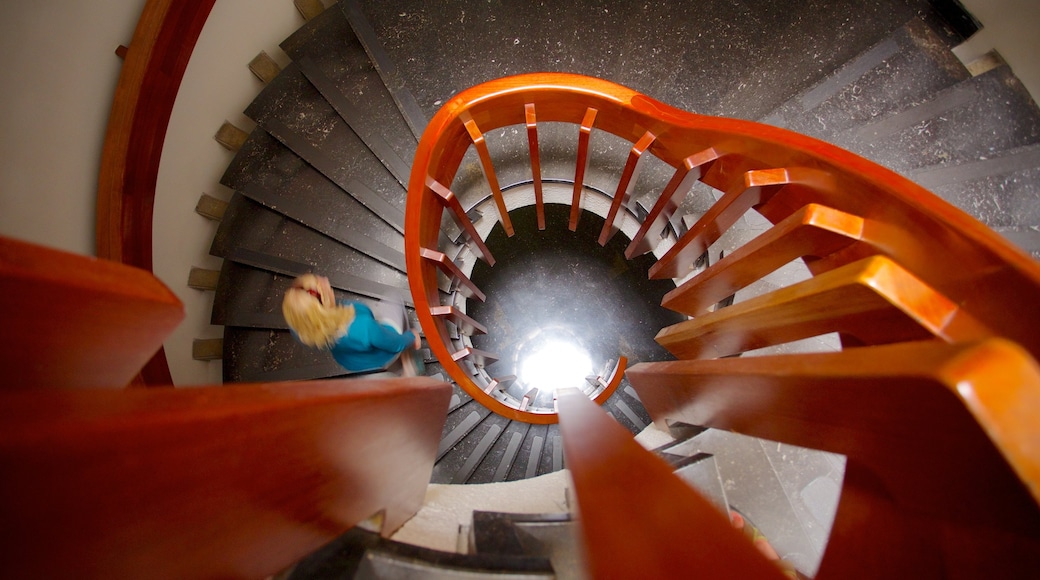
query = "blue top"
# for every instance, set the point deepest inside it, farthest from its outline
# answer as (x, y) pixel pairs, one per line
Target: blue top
(368, 345)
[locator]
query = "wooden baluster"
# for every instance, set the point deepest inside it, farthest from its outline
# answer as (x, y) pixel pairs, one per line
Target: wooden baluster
(449, 200)
(637, 518)
(814, 230)
(758, 186)
(463, 322)
(459, 280)
(529, 396)
(76, 321)
(234, 481)
(874, 300)
(581, 166)
(940, 439)
(499, 382)
(692, 168)
(536, 164)
(489, 172)
(629, 177)
(476, 356)
(613, 381)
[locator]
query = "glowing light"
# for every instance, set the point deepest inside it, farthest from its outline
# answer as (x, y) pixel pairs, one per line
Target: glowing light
(555, 364)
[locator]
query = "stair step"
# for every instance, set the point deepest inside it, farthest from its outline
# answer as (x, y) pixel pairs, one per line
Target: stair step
(703, 475)
(263, 355)
(552, 536)
(364, 554)
(250, 227)
(393, 79)
(250, 295)
(331, 48)
(974, 119)
(901, 71)
(315, 132)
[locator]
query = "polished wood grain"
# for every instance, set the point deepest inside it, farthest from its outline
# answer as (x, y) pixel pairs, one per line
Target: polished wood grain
(756, 187)
(813, 231)
(581, 166)
(627, 182)
(235, 481)
(637, 518)
(873, 300)
(686, 175)
(153, 66)
(489, 173)
(945, 249)
(940, 438)
(458, 213)
(536, 163)
(460, 319)
(459, 280)
(76, 321)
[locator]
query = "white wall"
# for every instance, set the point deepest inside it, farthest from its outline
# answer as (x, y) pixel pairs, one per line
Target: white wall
(60, 72)
(217, 86)
(1012, 27)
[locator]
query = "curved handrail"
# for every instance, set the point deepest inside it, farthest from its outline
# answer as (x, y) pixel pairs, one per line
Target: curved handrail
(750, 162)
(152, 71)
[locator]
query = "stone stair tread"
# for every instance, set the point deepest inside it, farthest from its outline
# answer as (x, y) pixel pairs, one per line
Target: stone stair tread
(979, 117)
(901, 71)
(359, 553)
(315, 131)
(251, 297)
(252, 227)
(274, 175)
(330, 44)
(258, 355)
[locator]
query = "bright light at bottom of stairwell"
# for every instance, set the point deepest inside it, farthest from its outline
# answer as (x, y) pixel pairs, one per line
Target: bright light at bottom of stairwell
(555, 364)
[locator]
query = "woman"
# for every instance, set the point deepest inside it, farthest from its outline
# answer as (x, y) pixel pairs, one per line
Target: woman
(349, 330)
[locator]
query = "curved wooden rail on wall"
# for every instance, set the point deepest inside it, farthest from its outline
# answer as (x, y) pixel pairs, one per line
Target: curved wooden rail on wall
(772, 170)
(152, 71)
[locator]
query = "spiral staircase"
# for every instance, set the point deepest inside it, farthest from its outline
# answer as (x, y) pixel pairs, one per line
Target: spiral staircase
(907, 322)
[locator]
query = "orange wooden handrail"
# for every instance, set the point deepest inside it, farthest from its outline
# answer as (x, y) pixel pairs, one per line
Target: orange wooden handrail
(636, 516)
(772, 170)
(941, 442)
(75, 321)
(216, 482)
(152, 70)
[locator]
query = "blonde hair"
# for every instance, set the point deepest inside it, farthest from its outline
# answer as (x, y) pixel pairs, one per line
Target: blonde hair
(317, 322)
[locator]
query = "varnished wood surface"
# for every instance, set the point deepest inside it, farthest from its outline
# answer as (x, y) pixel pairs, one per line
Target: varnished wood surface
(945, 434)
(637, 518)
(626, 183)
(873, 300)
(214, 482)
(772, 170)
(611, 382)
(689, 171)
(76, 321)
(812, 231)
(489, 173)
(148, 83)
(536, 163)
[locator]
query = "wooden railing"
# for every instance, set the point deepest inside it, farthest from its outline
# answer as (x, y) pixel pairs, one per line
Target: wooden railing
(231, 482)
(936, 397)
(153, 67)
